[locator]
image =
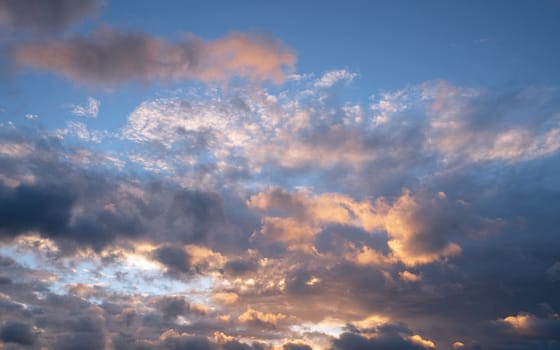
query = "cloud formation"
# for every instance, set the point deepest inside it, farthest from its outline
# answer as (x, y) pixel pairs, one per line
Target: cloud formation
(109, 57)
(49, 15)
(249, 218)
(90, 110)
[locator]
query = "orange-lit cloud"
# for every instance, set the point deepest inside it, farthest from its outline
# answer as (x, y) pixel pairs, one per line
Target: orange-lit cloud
(111, 57)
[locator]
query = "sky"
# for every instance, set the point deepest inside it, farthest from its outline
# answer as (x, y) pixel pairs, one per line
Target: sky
(251, 175)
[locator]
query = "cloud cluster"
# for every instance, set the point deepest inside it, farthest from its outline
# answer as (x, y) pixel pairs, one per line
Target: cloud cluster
(287, 220)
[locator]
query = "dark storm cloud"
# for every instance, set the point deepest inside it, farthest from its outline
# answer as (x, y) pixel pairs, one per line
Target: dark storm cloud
(236, 345)
(192, 214)
(174, 306)
(237, 268)
(48, 209)
(92, 206)
(189, 343)
(292, 346)
(83, 334)
(24, 208)
(351, 341)
(18, 333)
(41, 15)
(175, 259)
(110, 57)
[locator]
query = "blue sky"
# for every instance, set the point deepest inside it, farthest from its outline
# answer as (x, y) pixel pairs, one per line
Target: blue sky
(279, 175)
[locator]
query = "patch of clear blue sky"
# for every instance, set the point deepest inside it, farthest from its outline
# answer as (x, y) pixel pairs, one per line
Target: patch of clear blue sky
(388, 43)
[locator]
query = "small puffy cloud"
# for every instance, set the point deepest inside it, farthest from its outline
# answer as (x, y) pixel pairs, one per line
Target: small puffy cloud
(527, 324)
(108, 57)
(331, 78)
(296, 346)
(409, 276)
(90, 110)
(261, 318)
(425, 343)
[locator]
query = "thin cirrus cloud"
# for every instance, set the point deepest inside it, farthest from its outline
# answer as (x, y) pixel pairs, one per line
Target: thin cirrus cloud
(108, 57)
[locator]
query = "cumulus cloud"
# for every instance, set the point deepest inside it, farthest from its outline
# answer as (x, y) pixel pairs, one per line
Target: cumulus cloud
(107, 57)
(419, 227)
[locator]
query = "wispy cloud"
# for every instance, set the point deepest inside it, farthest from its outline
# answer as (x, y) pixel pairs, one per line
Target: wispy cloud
(91, 109)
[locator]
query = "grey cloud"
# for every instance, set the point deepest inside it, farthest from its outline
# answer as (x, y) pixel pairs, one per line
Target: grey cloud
(79, 206)
(109, 57)
(239, 267)
(189, 343)
(293, 346)
(236, 345)
(18, 333)
(84, 334)
(174, 258)
(46, 209)
(41, 15)
(174, 306)
(389, 341)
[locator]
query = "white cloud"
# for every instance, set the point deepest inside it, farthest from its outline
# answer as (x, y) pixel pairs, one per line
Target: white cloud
(90, 110)
(330, 78)
(79, 130)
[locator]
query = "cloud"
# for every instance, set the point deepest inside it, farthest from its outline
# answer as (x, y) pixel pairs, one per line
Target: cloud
(26, 208)
(47, 193)
(47, 15)
(335, 245)
(383, 341)
(18, 333)
(239, 267)
(409, 276)
(174, 258)
(296, 346)
(261, 318)
(90, 110)
(530, 325)
(174, 306)
(330, 78)
(419, 226)
(108, 57)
